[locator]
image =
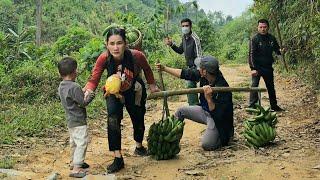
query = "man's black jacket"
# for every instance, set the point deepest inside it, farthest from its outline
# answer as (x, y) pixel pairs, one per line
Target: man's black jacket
(260, 52)
(223, 112)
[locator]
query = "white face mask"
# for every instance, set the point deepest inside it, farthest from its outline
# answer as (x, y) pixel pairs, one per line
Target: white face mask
(185, 30)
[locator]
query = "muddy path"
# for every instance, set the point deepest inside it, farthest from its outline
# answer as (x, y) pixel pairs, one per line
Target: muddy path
(295, 154)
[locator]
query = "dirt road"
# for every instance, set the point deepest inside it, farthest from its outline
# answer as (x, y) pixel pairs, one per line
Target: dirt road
(295, 153)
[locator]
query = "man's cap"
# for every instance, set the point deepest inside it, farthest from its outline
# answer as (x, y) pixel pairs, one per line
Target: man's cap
(209, 63)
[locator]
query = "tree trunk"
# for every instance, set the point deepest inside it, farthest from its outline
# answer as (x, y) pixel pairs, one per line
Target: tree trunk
(280, 39)
(39, 22)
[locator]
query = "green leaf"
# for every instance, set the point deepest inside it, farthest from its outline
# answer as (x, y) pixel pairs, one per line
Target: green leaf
(14, 33)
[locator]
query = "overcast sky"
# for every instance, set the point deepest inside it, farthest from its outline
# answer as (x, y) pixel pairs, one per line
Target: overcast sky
(228, 7)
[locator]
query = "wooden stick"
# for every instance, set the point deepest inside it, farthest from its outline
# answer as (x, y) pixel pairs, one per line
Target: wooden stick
(200, 90)
(167, 21)
(280, 40)
(165, 99)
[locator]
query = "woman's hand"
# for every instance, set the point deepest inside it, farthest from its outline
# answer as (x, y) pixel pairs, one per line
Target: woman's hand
(153, 88)
(87, 92)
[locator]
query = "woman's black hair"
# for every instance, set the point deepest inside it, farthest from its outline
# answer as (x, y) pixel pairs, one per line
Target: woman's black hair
(116, 31)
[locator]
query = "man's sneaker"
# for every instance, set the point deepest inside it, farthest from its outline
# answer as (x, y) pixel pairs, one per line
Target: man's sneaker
(276, 108)
(116, 166)
(141, 151)
(83, 166)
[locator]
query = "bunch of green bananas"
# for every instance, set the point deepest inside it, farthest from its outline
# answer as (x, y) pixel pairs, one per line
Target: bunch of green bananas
(132, 33)
(164, 138)
(260, 129)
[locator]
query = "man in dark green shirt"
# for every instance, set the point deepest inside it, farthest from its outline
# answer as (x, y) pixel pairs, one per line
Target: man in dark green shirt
(262, 45)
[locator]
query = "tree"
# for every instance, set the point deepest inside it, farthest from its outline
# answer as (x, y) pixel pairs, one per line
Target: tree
(39, 22)
(208, 35)
(196, 6)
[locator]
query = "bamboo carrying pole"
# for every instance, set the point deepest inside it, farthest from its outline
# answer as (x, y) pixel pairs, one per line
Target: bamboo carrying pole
(165, 100)
(200, 90)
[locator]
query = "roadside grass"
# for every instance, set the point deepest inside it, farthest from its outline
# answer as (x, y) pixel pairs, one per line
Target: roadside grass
(37, 120)
(7, 162)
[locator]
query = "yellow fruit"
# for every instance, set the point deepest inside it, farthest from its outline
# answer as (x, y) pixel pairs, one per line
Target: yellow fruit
(113, 84)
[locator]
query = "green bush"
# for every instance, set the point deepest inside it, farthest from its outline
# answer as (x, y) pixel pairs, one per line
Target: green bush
(90, 52)
(311, 72)
(14, 47)
(7, 162)
(208, 35)
(6, 3)
(4, 78)
(2, 45)
(25, 120)
(231, 51)
(233, 38)
(75, 39)
(30, 82)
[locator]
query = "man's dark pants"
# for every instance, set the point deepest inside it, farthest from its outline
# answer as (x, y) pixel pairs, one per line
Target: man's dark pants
(269, 81)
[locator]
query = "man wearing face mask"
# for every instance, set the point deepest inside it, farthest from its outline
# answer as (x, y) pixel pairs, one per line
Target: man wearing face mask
(191, 48)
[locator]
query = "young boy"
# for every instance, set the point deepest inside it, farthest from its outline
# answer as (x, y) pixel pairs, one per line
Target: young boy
(73, 102)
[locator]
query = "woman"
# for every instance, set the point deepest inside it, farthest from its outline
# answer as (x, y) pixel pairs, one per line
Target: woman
(128, 64)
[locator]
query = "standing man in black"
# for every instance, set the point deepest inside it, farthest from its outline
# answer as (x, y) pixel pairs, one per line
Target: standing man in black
(191, 48)
(262, 45)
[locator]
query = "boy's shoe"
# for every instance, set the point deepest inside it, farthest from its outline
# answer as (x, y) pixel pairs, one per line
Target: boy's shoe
(141, 151)
(79, 174)
(116, 166)
(276, 108)
(83, 166)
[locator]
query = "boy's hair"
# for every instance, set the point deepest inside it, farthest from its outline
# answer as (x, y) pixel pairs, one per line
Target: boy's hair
(186, 20)
(264, 21)
(67, 66)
